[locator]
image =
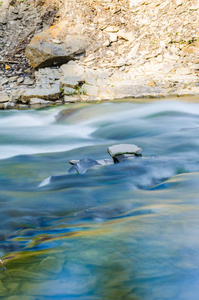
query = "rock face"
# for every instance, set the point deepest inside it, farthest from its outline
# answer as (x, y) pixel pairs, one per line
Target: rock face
(48, 49)
(133, 48)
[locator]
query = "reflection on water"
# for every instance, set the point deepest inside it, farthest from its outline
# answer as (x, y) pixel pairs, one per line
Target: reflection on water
(125, 231)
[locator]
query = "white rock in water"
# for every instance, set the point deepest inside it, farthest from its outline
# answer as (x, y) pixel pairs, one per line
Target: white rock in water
(123, 149)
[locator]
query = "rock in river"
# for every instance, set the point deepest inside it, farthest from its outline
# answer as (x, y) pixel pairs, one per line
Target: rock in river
(122, 152)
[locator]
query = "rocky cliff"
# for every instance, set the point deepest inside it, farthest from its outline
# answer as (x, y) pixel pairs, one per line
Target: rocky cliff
(118, 48)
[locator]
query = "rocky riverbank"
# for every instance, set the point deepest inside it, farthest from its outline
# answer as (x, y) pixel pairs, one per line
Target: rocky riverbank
(68, 51)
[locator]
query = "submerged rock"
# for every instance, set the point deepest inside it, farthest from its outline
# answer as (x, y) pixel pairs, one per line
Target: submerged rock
(120, 153)
(82, 165)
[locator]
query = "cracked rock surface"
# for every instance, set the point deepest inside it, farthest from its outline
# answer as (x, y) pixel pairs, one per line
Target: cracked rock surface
(127, 48)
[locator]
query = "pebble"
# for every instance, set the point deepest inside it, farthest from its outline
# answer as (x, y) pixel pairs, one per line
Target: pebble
(4, 81)
(20, 79)
(112, 29)
(28, 81)
(113, 37)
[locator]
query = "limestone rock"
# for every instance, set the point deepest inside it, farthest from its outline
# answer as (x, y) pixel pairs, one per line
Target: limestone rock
(3, 97)
(128, 36)
(68, 91)
(4, 81)
(9, 105)
(70, 81)
(112, 37)
(38, 101)
(21, 106)
(72, 69)
(111, 29)
(123, 149)
(71, 99)
(15, 97)
(44, 52)
(45, 94)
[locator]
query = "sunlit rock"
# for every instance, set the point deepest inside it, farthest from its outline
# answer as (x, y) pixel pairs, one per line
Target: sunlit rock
(44, 49)
(124, 149)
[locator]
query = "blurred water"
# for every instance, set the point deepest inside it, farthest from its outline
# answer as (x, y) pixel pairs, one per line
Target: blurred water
(125, 231)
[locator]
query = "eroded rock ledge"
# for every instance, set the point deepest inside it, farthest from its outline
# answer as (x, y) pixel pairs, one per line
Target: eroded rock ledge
(117, 49)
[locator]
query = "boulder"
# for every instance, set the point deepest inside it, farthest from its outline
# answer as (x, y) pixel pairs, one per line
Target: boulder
(49, 48)
(124, 149)
(82, 165)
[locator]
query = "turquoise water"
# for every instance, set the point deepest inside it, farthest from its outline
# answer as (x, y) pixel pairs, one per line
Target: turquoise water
(124, 231)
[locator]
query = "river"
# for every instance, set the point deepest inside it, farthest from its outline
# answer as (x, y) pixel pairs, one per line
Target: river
(124, 231)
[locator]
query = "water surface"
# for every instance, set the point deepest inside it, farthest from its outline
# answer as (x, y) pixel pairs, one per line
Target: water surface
(125, 231)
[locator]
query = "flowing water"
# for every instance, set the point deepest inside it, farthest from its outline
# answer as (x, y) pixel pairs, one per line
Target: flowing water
(124, 231)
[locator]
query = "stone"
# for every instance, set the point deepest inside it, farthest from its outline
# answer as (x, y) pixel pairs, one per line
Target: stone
(71, 81)
(134, 2)
(4, 81)
(22, 106)
(179, 2)
(13, 79)
(38, 101)
(72, 69)
(92, 90)
(59, 102)
(113, 37)
(45, 94)
(168, 57)
(71, 99)
(4, 97)
(102, 162)
(159, 58)
(20, 79)
(68, 91)
(194, 67)
(9, 105)
(28, 81)
(106, 43)
(90, 58)
(83, 165)
(43, 52)
(128, 36)
(63, 114)
(184, 71)
(121, 62)
(111, 29)
(124, 149)
(15, 98)
(2, 105)
(133, 51)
